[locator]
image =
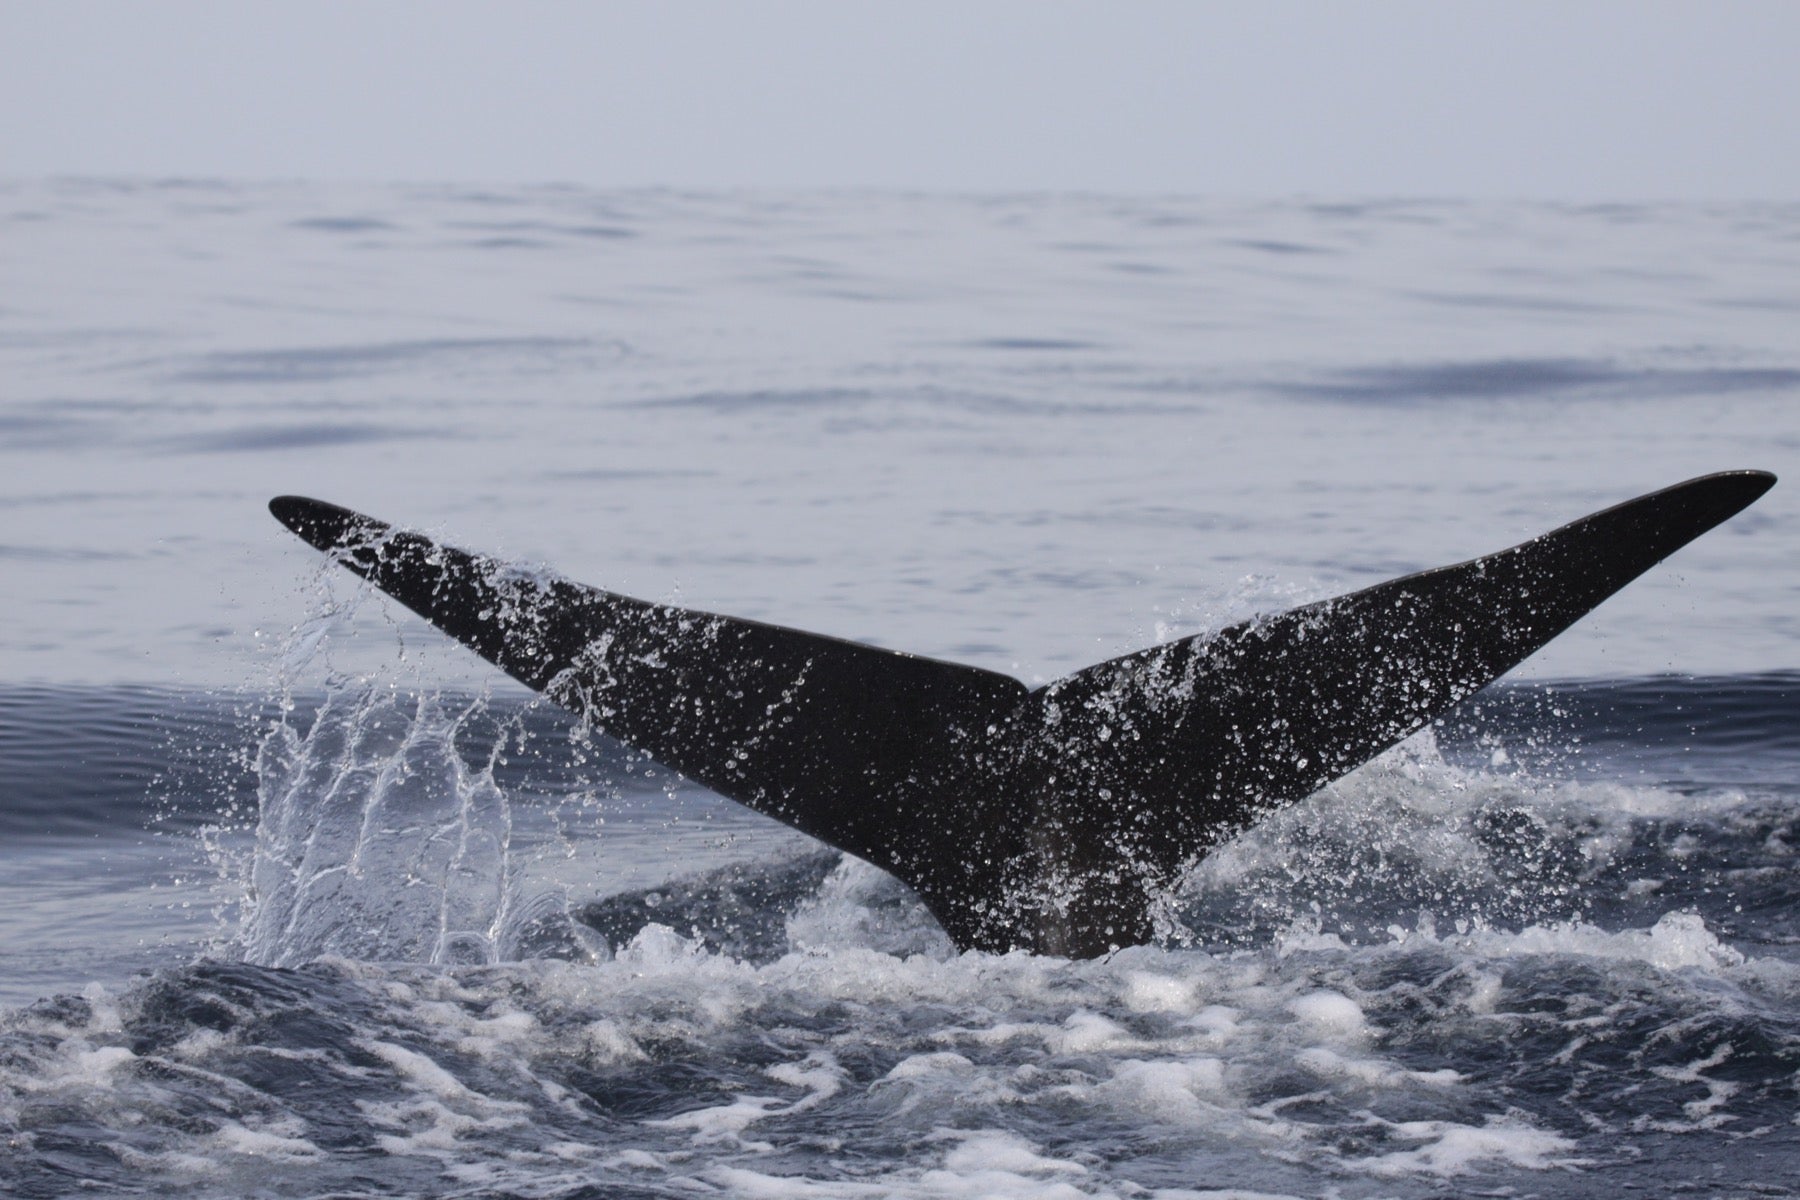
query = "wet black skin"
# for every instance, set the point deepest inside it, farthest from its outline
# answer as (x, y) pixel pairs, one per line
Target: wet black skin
(1047, 820)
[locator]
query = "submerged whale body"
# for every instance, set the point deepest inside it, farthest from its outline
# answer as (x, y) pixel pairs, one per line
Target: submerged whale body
(1048, 819)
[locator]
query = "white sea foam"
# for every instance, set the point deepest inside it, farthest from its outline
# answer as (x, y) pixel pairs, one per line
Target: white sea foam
(1280, 1039)
(1330, 1014)
(275, 1141)
(419, 1069)
(1447, 1149)
(1174, 1091)
(1678, 941)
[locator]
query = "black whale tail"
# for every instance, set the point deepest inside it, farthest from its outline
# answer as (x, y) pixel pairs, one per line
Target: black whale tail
(1048, 819)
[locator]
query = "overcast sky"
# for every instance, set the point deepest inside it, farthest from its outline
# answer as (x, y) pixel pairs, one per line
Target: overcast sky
(1598, 100)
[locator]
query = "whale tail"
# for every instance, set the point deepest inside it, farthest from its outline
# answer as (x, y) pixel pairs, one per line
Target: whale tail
(1048, 819)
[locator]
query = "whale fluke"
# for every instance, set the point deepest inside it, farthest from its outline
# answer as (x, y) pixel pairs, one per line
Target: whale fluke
(1045, 819)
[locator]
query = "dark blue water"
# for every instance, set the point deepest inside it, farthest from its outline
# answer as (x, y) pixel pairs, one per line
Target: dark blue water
(299, 901)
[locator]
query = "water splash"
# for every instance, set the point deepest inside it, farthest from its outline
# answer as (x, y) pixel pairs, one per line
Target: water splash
(1409, 838)
(378, 841)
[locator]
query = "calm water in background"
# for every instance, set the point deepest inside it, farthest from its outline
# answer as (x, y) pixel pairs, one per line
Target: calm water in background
(405, 931)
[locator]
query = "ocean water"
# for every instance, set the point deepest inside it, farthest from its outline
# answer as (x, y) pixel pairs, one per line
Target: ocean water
(299, 900)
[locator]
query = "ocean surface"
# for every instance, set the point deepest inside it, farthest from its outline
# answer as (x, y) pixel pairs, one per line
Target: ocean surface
(298, 900)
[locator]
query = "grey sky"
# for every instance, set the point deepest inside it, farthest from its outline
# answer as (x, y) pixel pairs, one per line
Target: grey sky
(1606, 99)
